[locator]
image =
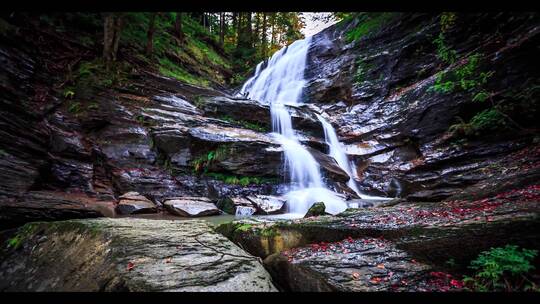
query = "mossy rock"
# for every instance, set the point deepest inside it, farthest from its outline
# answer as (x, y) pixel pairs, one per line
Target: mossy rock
(316, 209)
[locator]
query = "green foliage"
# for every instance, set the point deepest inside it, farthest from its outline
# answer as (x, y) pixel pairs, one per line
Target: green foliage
(68, 93)
(74, 107)
(503, 268)
(170, 69)
(448, 19)
(22, 234)
(240, 180)
(203, 162)
(465, 78)
(94, 73)
(368, 23)
(93, 106)
(485, 121)
(489, 119)
(241, 227)
(269, 232)
(361, 70)
(171, 57)
(244, 123)
(444, 52)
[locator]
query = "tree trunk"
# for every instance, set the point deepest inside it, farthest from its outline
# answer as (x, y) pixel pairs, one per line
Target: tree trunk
(249, 32)
(112, 27)
(273, 22)
(221, 28)
(117, 30)
(150, 35)
(263, 37)
(235, 26)
(178, 28)
(257, 28)
(108, 36)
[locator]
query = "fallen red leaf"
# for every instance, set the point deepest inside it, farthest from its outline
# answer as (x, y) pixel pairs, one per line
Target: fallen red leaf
(130, 266)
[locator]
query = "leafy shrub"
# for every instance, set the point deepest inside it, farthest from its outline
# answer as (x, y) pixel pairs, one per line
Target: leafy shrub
(488, 120)
(466, 77)
(503, 268)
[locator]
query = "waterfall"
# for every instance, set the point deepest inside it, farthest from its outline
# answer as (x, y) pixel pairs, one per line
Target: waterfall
(337, 152)
(278, 84)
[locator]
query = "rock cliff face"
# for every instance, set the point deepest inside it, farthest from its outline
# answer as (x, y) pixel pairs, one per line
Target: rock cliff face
(377, 92)
(72, 155)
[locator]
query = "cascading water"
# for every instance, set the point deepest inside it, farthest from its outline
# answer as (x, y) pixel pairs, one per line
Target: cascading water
(337, 152)
(279, 84)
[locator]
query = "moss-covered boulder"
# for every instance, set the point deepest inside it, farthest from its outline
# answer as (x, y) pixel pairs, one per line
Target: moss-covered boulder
(316, 210)
(126, 255)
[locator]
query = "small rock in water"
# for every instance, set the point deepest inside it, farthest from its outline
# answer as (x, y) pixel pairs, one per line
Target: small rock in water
(316, 210)
(244, 211)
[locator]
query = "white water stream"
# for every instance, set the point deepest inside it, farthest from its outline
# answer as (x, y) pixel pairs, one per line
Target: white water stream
(281, 83)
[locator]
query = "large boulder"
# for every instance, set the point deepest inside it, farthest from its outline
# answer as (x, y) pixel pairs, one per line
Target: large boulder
(127, 255)
(231, 205)
(268, 204)
(316, 209)
(134, 203)
(191, 206)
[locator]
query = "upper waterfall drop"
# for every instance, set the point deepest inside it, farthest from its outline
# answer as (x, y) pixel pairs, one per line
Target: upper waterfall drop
(281, 82)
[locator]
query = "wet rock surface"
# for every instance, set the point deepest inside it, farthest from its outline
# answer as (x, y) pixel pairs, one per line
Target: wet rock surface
(268, 204)
(376, 90)
(431, 232)
(128, 255)
(133, 203)
(355, 265)
(316, 210)
(50, 206)
(191, 206)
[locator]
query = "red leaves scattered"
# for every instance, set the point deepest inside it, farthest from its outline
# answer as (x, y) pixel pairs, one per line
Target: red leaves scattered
(375, 280)
(130, 266)
(350, 239)
(438, 274)
(442, 281)
(380, 266)
(168, 260)
(356, 275)
(457, 284)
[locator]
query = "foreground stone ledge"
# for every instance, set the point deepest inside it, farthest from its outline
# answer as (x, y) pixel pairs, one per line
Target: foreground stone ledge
(127, 255)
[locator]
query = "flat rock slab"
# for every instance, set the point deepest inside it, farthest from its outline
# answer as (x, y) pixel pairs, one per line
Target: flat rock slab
(267, 204)
(191, 206)
(51, 206)
(127, 254)
(134, 203)
(352, 265)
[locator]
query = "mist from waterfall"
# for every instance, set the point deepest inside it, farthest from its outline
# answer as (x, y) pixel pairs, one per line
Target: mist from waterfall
(278, 84)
